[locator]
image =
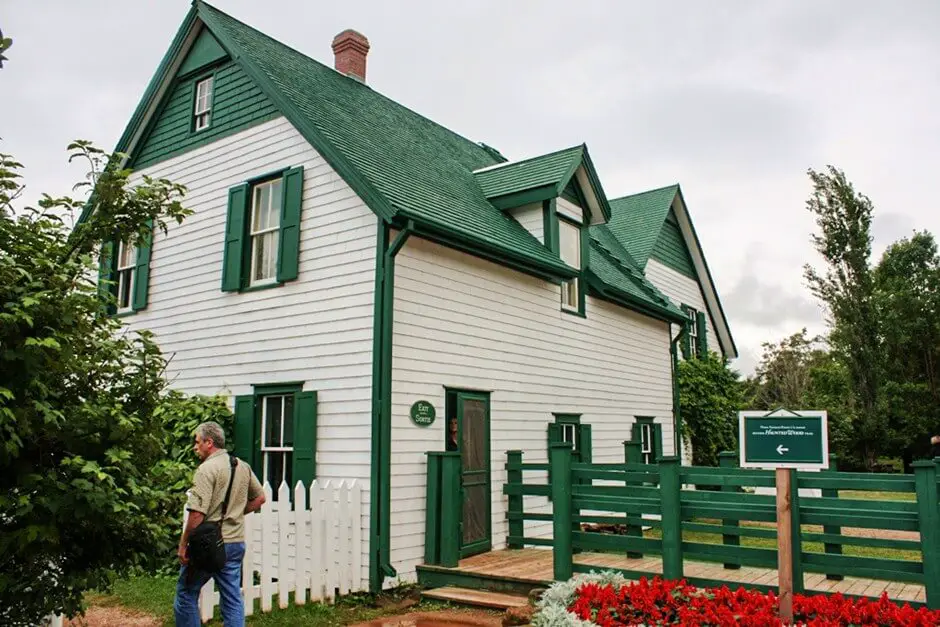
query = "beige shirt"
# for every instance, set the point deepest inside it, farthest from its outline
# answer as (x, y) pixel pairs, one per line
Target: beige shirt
(209, 484)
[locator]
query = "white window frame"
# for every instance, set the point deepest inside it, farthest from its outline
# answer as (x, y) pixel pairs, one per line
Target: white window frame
(129, 268)
(570, 290)
(258, 234)
(202, 107)
(286, 452)
(569, 433)
(646, 441)
(692, 315)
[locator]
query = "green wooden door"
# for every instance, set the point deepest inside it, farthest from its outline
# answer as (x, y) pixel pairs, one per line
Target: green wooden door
(473, 419)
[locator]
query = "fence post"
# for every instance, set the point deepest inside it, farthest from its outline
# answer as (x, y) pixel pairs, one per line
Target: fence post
(670, 504)
(432, 511)
(632, 455)
(450, 509)
(796, 535)
(514, 506)
(832, 493)
(925, 480)
(729, 459)
(560, 461)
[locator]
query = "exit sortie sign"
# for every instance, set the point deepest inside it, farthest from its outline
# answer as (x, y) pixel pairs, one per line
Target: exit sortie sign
(784, 439)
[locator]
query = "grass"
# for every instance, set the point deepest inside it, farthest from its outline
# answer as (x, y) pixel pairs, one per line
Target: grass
(154, 595)
(877, 496)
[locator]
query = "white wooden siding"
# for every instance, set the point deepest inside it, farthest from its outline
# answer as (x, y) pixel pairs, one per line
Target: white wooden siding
(317, 329)
(466, 323)
(682, 291)
(531, 218)
(569, 210)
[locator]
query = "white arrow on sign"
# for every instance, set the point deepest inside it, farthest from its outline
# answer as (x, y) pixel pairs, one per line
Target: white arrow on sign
(781, 449)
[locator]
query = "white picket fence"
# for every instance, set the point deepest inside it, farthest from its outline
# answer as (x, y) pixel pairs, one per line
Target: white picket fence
(311, 547)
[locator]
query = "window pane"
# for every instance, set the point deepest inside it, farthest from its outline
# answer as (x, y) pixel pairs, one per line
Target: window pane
(127, 256)
(125, 280)
(275, 474)
(264, 256)
(288, 439)
(569, 241)
(272, 431)
(569, 293)
(275, 204)
(262, 197)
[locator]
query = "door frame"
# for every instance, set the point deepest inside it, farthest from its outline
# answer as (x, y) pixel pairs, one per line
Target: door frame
(486, 543)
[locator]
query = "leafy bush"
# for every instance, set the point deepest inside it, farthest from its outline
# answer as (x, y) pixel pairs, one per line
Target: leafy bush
(709, 397)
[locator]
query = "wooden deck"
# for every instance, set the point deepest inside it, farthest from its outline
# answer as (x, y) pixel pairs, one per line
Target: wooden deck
(535, 566)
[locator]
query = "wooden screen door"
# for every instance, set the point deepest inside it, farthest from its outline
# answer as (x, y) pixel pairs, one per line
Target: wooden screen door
(473, 420)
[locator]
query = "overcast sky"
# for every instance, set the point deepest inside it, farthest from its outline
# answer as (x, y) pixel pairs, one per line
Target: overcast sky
(733, 100)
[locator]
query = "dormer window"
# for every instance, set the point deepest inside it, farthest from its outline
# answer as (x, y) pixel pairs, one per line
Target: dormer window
(569, 245)
(202, 109)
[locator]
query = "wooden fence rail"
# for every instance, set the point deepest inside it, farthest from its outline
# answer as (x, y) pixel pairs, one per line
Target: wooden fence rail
(721, 502)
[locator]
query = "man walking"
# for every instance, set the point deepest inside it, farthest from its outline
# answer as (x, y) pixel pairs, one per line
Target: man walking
(210, 484)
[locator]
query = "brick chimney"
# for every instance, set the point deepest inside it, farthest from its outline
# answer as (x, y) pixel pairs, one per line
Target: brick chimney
(350, 49)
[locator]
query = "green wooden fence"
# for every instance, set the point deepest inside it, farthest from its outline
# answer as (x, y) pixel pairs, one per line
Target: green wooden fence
(723, 505)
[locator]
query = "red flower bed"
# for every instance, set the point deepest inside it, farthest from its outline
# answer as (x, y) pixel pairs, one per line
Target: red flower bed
(662, 602)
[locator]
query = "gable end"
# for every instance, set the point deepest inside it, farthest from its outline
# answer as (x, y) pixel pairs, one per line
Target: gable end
(237, 104)
(670, 249)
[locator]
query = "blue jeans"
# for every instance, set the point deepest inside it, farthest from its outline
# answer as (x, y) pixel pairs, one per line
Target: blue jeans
(229, 583)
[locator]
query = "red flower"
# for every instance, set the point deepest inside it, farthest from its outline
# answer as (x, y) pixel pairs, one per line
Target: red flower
(665, 602)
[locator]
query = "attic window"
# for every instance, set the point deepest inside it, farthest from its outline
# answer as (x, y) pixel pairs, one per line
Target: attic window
(202, 110)
(569, 245)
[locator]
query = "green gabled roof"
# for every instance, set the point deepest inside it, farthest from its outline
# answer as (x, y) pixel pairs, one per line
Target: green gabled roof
(638, 219)
(400, 163)
(543, 170)
(621, 276)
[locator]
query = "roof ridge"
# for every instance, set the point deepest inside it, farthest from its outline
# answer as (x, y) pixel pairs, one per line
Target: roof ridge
(357, 82)
(649, 191)
(521, 161)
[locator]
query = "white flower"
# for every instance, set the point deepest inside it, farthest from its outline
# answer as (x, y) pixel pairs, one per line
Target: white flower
(552, 608)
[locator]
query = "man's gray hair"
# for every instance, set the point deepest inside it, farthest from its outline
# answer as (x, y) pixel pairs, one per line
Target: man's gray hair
(212, 431)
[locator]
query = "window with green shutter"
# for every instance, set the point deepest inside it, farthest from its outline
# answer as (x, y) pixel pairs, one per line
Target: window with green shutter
(262, 231)
(276, 433)
(695, 340)
(650, 436)
(124, 274)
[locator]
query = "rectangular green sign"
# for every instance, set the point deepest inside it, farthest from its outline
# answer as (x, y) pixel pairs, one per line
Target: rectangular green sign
(784, 439)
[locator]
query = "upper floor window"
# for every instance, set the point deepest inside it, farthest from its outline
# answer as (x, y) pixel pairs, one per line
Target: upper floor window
(202, 110)
(126, 266)
(693, 331)
(262, 231)
(265, 227)
(569, 245)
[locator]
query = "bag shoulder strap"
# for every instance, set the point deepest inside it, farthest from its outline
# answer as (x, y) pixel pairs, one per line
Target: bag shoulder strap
(228, 491)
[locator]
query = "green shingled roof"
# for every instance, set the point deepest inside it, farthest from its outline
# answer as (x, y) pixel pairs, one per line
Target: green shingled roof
(553, 169)
(637, 220)
(408, 168)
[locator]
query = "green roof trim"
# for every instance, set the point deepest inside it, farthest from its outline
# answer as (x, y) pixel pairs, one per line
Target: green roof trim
(540, 178)
(637, 220)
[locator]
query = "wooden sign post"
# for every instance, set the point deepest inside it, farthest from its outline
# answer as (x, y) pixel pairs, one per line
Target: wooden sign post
(785, 441)
(784, 547)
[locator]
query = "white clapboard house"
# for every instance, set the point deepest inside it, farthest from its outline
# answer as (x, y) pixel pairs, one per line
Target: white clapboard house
(353, 270)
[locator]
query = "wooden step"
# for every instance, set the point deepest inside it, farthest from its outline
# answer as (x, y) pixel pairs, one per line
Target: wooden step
(478, 598)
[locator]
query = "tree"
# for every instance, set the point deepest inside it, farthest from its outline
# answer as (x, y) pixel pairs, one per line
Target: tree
(709, 397)
(78, 396)
(846, 287)
(907, 297)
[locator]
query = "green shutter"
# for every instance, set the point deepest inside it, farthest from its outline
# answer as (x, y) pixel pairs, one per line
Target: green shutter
(702, 329)
(234, 238)
(288, 250)
(107, 264)
(584, 444)
(686, 338)
(657, 441)
(245, 448)
(305, 438)
(142, 271)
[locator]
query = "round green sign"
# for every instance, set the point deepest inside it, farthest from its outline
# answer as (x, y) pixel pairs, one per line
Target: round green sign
(423, 414)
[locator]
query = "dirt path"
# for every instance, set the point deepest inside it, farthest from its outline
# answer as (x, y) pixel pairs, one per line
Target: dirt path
(444, 618)
(115, 616)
